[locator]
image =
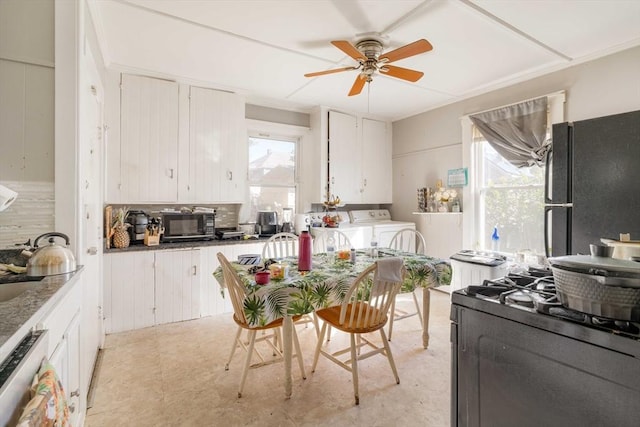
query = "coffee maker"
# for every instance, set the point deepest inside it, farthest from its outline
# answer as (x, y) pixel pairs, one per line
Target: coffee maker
(139, 222)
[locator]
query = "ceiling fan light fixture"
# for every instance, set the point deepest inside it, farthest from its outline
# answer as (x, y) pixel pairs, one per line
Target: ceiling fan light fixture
(368, 53)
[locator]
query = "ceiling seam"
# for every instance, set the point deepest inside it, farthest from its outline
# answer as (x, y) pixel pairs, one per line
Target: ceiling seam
(218, 30)
(510, 27)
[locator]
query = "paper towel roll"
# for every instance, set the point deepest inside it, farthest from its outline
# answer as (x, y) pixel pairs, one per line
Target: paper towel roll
(7, 196)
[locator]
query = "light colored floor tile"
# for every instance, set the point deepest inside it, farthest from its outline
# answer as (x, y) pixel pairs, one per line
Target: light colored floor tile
(173, 375)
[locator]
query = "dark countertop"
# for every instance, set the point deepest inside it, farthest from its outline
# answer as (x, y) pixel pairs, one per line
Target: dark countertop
(185, 245)
(21, 313)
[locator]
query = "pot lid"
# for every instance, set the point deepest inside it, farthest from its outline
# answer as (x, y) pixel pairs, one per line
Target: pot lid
(601, 266)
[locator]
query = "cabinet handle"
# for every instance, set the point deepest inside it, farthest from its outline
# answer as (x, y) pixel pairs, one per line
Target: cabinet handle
(72, 408)
(195, 270)
(75, 393)
(365, 182)
(333, 180)
(230, 175)
(171, 173)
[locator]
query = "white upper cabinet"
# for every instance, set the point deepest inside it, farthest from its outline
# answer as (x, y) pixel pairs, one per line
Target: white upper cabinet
(359, 158)
(217, 167)
(376, 162)
(344, 163)
(149, 140)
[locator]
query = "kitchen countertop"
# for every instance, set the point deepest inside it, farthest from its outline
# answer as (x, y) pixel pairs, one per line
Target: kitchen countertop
(18, 315)
(185, 245)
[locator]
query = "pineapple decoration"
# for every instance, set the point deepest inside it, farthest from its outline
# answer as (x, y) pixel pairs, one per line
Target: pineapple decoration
(120, 233)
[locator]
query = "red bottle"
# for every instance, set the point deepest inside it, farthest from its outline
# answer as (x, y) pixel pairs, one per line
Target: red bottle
(304, 251)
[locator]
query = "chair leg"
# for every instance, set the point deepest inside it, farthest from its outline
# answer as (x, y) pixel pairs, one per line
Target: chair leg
(319, 346)
(392, 314)
(236, 341)
(247, 363)
(354, 367)
(387, 348)
(415, 299)
(296, 342)
(316, 324)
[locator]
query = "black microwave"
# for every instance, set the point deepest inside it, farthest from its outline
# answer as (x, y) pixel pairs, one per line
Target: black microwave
(188, 226)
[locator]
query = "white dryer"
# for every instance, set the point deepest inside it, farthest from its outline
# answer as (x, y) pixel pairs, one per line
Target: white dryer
(382, 226)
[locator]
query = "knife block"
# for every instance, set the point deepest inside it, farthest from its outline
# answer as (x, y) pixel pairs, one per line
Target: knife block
(151, 240)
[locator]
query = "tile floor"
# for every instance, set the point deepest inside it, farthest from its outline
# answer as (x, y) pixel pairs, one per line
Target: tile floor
(173, 375)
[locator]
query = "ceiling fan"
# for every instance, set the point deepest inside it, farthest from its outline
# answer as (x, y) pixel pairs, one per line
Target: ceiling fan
(370, 60)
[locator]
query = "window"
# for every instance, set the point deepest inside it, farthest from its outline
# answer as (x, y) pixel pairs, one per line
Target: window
(272, 173)
(510, 198)
(500, 194)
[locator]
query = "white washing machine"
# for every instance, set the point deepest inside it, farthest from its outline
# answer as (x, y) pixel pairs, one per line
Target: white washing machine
(382, 226)
(359, 236)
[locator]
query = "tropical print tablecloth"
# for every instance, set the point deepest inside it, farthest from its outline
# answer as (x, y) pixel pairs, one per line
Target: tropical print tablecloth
(326, 283)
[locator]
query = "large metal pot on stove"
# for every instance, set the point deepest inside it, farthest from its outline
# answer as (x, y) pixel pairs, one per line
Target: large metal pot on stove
(600, 286)
(52, 258)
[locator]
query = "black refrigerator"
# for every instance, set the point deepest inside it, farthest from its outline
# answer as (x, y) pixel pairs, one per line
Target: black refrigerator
(592, 185)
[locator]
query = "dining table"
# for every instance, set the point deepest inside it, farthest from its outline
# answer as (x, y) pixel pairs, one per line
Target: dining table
(303, 292)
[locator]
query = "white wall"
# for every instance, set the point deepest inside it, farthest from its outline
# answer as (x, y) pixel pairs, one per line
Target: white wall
(425, 146)
(27, 117)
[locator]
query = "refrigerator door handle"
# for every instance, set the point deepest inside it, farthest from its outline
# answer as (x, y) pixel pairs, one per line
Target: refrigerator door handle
(547, 248)
(558, 205)
(548, 177)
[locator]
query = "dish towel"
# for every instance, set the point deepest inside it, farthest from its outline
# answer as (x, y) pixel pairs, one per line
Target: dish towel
(389, 270)
(48, 406)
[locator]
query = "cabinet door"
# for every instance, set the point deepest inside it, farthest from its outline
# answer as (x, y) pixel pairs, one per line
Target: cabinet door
(128, 291)
(211, 299)
(217, 146)
(344, 158)
(66, 361)
(376, 162)
(149, 140)
(177, 286)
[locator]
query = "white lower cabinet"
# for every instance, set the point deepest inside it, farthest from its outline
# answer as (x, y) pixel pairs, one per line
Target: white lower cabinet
(177, 286)
(149, 288)
(129, 300)
(211, 298)
(63, 353)
(66, 360)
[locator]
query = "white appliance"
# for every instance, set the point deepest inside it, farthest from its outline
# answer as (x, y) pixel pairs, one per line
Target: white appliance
(472, 268)
(382, 226)
(359, 235)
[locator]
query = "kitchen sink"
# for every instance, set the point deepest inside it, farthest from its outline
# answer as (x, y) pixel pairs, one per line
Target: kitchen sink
(9, 291)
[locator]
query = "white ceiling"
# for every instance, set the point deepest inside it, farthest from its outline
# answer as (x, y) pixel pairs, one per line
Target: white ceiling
(262, 49)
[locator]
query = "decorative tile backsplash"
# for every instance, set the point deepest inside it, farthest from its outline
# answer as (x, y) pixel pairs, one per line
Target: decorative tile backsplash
(31, 215)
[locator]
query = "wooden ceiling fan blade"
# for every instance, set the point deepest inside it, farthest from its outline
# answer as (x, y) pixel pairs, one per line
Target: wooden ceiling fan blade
(419, 46)
(357, 85)
(401, 73)
(349, 49)
(336, 70)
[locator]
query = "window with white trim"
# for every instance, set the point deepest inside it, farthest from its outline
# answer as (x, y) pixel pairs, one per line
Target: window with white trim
(504, 196)
(272, 173)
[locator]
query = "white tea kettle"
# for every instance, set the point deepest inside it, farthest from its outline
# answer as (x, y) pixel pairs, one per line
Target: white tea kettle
(51, 259)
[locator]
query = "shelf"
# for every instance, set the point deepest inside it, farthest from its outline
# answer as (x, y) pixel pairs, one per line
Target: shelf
(436, 213)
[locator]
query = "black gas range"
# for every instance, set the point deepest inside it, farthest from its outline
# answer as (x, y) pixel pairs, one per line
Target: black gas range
(519, 357)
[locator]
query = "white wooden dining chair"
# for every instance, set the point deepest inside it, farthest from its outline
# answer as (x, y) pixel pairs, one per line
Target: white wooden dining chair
(280, 245)
(340, 239)
(407, 240)
(365, 309)
(236, 291)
